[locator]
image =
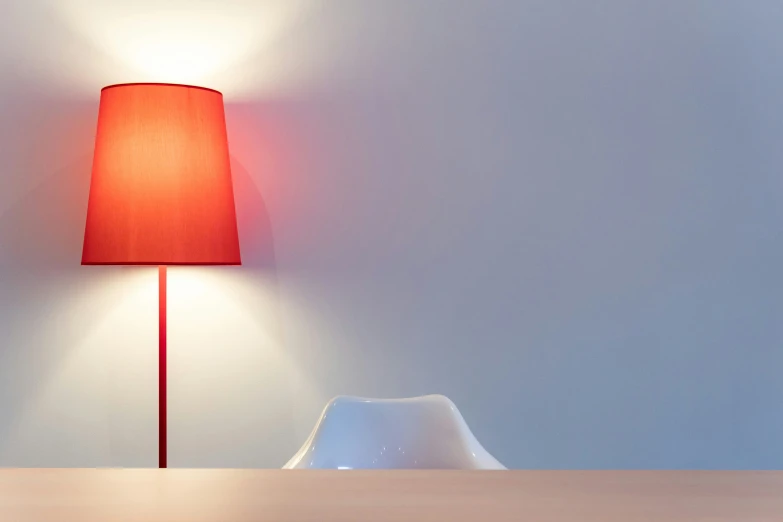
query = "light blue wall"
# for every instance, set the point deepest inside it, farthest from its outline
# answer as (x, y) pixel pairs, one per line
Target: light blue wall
(566, 216)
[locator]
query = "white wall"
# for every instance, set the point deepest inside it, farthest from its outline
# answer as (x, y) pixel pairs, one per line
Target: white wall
(563, 215)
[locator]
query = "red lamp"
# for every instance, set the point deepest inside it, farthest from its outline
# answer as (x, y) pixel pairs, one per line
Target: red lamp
(161, 191)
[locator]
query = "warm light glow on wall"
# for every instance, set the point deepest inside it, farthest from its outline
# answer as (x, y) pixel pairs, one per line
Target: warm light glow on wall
(180, 41)
(95, 354)
(228, 356)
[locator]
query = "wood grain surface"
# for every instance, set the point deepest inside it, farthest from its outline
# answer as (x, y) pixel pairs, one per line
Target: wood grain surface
(172, 495)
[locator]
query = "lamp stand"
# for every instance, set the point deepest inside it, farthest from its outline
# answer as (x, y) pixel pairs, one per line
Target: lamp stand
(162, 367)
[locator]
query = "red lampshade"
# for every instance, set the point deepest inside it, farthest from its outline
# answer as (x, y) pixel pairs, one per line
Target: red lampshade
(161, 191)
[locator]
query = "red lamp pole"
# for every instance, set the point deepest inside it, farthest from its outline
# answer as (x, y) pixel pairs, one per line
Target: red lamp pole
(162, 416)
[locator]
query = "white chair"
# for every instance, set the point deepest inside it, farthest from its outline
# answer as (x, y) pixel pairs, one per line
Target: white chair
(421, 432)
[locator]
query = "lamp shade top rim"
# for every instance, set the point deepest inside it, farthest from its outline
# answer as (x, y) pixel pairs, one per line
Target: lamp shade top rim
(162, 84)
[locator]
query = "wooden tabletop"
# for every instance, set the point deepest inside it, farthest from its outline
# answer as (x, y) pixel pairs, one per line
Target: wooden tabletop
(136, 495)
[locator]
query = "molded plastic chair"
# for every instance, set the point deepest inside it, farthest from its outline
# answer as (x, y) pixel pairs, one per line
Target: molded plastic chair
(421, 432)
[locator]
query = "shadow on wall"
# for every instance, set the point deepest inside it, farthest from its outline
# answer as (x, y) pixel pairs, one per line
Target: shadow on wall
(255, 226)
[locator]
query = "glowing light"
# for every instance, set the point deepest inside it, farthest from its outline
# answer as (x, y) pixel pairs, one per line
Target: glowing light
(179, 41)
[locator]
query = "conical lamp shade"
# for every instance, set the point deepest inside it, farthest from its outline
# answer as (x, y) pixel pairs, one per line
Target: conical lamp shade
(161, 191)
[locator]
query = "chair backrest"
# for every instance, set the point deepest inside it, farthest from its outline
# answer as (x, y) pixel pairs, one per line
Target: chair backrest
(421, 432)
